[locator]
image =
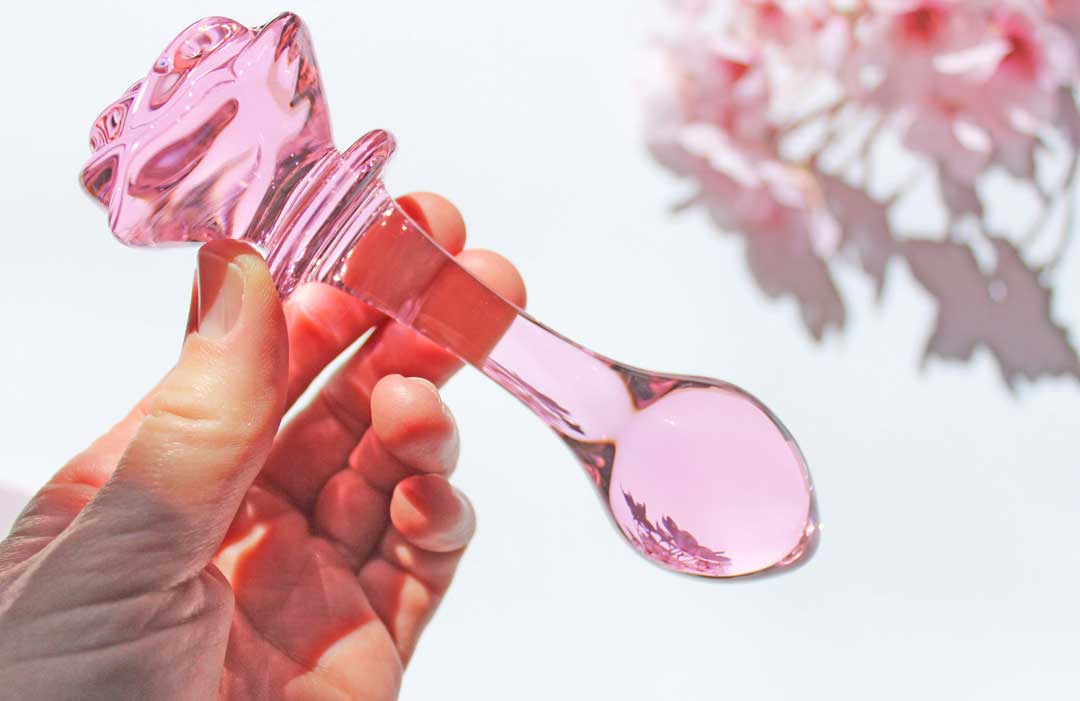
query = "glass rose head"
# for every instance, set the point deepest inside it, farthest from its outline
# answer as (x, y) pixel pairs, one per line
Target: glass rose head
(207, 145)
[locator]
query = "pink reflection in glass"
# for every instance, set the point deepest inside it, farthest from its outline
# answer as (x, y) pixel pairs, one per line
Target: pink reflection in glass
(229, 137)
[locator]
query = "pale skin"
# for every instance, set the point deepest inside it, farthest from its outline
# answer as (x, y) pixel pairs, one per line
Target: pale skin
(197, 550)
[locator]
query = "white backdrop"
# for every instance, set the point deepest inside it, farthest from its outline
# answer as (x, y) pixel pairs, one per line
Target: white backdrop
(949, 566)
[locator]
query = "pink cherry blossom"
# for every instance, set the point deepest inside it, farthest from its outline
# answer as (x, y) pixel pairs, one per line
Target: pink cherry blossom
(1065, 12)
(811, 31)
(773, 111)
(900, 41)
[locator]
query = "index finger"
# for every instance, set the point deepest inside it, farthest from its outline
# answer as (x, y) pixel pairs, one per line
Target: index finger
(323, 321)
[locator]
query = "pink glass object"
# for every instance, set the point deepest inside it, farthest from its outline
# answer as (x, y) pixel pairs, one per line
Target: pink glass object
(229, 137)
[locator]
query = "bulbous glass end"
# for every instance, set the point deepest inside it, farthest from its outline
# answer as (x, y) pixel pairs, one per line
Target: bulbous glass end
(706, 480)
(698, 474)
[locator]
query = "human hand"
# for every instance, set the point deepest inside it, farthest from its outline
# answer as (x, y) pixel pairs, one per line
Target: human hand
(195, 551)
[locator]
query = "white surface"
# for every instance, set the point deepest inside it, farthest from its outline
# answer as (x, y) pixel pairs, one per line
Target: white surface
(949, 567)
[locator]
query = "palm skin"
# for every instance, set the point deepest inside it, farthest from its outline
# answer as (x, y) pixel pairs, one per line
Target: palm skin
(310, 567)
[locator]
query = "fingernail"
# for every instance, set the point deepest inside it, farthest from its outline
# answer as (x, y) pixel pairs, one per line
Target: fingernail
(435, 390)
(466, 502)
(468, 519)
(221, 294)
(427, 383)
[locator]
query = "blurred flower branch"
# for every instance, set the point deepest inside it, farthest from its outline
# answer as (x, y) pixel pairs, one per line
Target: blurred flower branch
(807, 126)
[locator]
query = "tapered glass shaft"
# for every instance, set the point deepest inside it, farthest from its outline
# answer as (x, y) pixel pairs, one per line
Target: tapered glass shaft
(696, 473)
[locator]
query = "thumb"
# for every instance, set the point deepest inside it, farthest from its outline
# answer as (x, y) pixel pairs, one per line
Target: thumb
(209, 426)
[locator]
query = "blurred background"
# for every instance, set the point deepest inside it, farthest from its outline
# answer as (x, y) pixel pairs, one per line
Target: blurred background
(948, 487)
